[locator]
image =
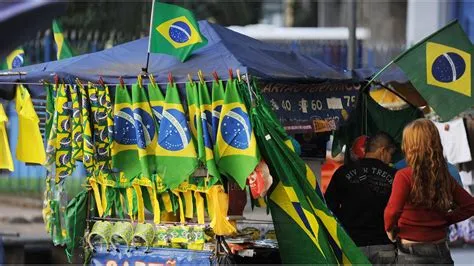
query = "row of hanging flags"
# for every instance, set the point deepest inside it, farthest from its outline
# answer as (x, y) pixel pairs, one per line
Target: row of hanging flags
(141, 150)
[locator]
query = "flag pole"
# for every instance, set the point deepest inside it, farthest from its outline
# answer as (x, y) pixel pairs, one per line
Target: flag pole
(145, 69)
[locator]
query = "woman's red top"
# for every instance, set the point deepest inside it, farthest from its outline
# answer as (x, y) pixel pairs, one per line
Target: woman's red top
(418, 223)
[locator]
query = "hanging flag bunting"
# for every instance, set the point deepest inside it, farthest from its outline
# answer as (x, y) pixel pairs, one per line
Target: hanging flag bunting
(217, 101)
(236, 149)
(174, 31)
(124, 147)
(205, 107)
(175, 146)
(62, 45)
(6, 161)
(64, 165)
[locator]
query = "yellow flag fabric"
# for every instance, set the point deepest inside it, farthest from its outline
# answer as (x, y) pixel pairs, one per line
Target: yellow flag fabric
(30, 148)
(6, 161)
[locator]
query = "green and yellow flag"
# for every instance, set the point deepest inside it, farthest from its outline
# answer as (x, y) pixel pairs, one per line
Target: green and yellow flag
(440, 68)
(14, 59)
(157, 102)
(77, 146)
(124, 146)
(63, 48)
(205, 107)
(236, 149)
(175, 146)
(87, 138)
(174, 31)
(64, 164)
(145, 130)
(217, 101)
(195, 118)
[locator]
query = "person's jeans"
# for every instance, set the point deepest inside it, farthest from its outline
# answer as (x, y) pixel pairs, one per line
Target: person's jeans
(380, 254)
(424, 253)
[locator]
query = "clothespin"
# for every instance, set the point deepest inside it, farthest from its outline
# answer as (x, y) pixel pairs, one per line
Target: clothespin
(122, 83)
(190, 78)
(139, 80)
(238, 75)
(216, 77)
(78, 81)
(201, 76)
(170, 78)
(56, 81)
(152, 79)
(231, 74)
(101, 81)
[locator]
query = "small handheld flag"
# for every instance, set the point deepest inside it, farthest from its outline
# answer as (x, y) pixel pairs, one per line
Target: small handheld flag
(174, 31)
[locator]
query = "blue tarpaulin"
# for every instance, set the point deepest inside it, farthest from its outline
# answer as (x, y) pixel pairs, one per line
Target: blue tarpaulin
(226, 49)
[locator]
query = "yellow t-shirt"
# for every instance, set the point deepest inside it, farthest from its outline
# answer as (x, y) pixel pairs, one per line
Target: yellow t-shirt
(30, 148)
(6, 161)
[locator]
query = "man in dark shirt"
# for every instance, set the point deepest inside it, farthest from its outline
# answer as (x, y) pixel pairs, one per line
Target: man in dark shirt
(358, 193)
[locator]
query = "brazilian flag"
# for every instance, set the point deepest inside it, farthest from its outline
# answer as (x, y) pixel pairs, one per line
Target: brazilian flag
(157, 101)
(145, 130)
(195, 118)
(205, 106)
(174, 31)
(236, 149)
(217, 101)
(440, 68)
(124, 146)
(14, 59)
(63, 48)
(298, 211)
(177, 159)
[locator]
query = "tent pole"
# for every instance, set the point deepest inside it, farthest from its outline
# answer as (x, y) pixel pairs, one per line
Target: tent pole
(145, 69)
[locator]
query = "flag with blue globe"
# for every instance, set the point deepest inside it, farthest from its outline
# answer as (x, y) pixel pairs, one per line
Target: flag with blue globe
(440, 68)
(236, 151)
(176, 154)
(124, 146)
(145, 130)
(174, 31)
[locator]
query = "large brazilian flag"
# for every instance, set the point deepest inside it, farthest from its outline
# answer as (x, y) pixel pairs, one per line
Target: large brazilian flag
(440, 68)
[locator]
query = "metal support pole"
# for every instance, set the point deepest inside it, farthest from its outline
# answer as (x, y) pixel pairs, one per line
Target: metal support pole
(352, 41)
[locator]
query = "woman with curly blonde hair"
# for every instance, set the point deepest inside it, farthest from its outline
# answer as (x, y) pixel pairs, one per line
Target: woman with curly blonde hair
(425, 199)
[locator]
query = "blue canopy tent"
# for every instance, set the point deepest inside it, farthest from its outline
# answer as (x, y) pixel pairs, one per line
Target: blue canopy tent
(226, 49)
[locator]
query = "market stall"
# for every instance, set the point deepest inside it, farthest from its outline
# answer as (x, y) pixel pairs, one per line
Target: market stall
(169, 152)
